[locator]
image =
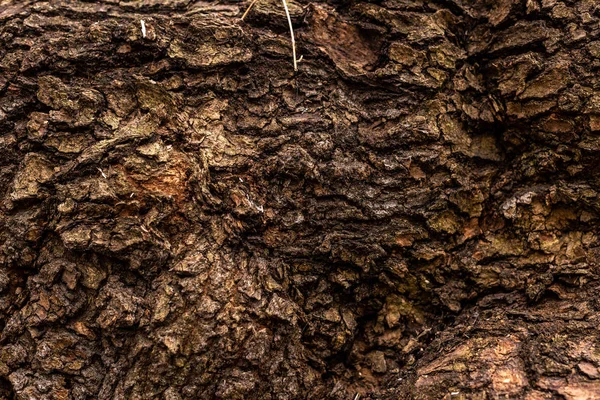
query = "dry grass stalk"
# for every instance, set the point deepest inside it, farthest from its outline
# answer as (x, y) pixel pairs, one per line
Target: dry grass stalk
(287, 13)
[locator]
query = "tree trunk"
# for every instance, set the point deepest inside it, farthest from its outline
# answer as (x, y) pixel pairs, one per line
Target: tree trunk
(412, 215)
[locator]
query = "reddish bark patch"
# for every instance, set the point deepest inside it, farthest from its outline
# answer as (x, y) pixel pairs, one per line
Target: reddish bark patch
(352, 51)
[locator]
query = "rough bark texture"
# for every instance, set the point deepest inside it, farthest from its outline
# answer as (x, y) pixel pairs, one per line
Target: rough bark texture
(414, 214)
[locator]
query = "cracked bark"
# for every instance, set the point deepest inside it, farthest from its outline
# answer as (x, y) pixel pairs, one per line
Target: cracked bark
(412, 215)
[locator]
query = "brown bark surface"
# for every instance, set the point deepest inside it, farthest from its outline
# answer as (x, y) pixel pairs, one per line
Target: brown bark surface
(412, 215)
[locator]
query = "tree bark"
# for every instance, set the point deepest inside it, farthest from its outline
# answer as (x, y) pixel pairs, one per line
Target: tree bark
(412, 215)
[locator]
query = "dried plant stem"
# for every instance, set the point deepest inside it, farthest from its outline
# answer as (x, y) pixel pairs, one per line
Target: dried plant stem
(287, 13)
(249, 8)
